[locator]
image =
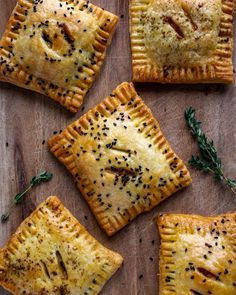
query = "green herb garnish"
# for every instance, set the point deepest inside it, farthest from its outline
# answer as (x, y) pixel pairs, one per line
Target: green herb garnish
(208, 161)
(41, 177)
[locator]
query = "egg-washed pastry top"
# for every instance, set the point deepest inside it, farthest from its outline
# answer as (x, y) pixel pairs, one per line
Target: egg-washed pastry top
(56, 47)
(51, 253)
(182, 41)
(198, 254)
(120, 159)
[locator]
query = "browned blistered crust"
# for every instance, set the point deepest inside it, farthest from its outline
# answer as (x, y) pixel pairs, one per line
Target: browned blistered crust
(218, 70)
(107, 151)
(67, 94)
(52, 253)
(197, 254)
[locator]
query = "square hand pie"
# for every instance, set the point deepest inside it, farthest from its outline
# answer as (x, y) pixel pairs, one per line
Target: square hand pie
(182, 41)
(56, 47)
(120, 160)
(52, 253)
(198, 254)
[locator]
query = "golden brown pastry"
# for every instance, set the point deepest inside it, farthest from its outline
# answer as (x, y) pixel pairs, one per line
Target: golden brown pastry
(198, 254)
(182, 41)
(56, 47)
(52, 253)
(120, 160)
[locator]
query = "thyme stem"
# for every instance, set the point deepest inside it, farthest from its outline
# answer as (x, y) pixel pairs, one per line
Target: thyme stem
(41, 177)
(208, 161)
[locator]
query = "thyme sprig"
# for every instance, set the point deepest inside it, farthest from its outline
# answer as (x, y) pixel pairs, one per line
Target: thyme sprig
(208, 161)
(41, 177)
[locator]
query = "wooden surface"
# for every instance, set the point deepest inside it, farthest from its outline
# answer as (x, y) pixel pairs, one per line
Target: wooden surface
(27, 119)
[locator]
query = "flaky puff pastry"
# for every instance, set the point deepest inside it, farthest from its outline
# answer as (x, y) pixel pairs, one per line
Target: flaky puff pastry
(120, 159)
(56, 47)
(198, 254)
(52, 253)
(182, 41)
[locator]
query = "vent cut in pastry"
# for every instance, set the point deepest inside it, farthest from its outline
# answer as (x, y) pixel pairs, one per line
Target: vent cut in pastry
(182, 41)
(120, 159)
(198, 254)
(56, 47)
(52, 253)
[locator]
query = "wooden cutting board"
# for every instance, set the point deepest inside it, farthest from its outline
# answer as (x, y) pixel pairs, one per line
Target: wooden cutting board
(27, 119)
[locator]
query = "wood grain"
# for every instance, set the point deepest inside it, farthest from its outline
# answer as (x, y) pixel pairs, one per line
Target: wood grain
(27, 119)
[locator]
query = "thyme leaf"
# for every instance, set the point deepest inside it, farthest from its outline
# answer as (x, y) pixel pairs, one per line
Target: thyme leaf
(208, 161)
(41, 177)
